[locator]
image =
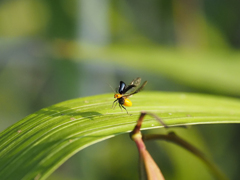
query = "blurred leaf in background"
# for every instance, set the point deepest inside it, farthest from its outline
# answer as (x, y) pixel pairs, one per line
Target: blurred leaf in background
(51, 51)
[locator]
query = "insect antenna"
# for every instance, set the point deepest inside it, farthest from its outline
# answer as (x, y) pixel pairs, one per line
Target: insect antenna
(112, 88)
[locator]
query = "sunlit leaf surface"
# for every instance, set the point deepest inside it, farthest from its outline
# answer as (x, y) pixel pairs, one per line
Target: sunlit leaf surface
(35, 146)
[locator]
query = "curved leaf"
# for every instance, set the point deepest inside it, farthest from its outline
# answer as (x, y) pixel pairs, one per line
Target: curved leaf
(35, 146)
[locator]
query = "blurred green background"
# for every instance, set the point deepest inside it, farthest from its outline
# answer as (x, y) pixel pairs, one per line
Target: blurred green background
(51, 51)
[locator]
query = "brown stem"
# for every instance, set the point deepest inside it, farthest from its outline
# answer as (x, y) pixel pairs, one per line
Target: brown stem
(172, 137)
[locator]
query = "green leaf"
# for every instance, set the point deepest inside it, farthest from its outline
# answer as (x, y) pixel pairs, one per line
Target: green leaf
(35, 146)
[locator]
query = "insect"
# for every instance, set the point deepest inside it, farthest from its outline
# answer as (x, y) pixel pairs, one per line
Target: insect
(124, 92)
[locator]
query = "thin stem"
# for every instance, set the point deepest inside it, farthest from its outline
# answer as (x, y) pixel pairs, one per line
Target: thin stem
(172, 137)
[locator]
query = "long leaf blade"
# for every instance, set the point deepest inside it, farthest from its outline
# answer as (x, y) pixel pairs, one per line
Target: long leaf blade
(35, 146)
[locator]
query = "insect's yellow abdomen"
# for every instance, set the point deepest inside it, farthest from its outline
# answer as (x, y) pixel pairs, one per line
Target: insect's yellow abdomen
(127, 102)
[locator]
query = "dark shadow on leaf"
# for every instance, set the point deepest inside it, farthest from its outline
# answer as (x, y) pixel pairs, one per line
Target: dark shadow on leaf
(56, 111)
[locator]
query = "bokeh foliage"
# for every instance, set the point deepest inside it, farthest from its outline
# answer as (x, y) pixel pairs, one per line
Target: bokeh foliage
(54, 51)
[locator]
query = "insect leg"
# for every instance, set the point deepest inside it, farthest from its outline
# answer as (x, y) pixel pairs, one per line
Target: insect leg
(121, 107)
(113, 104)
(124, 108)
